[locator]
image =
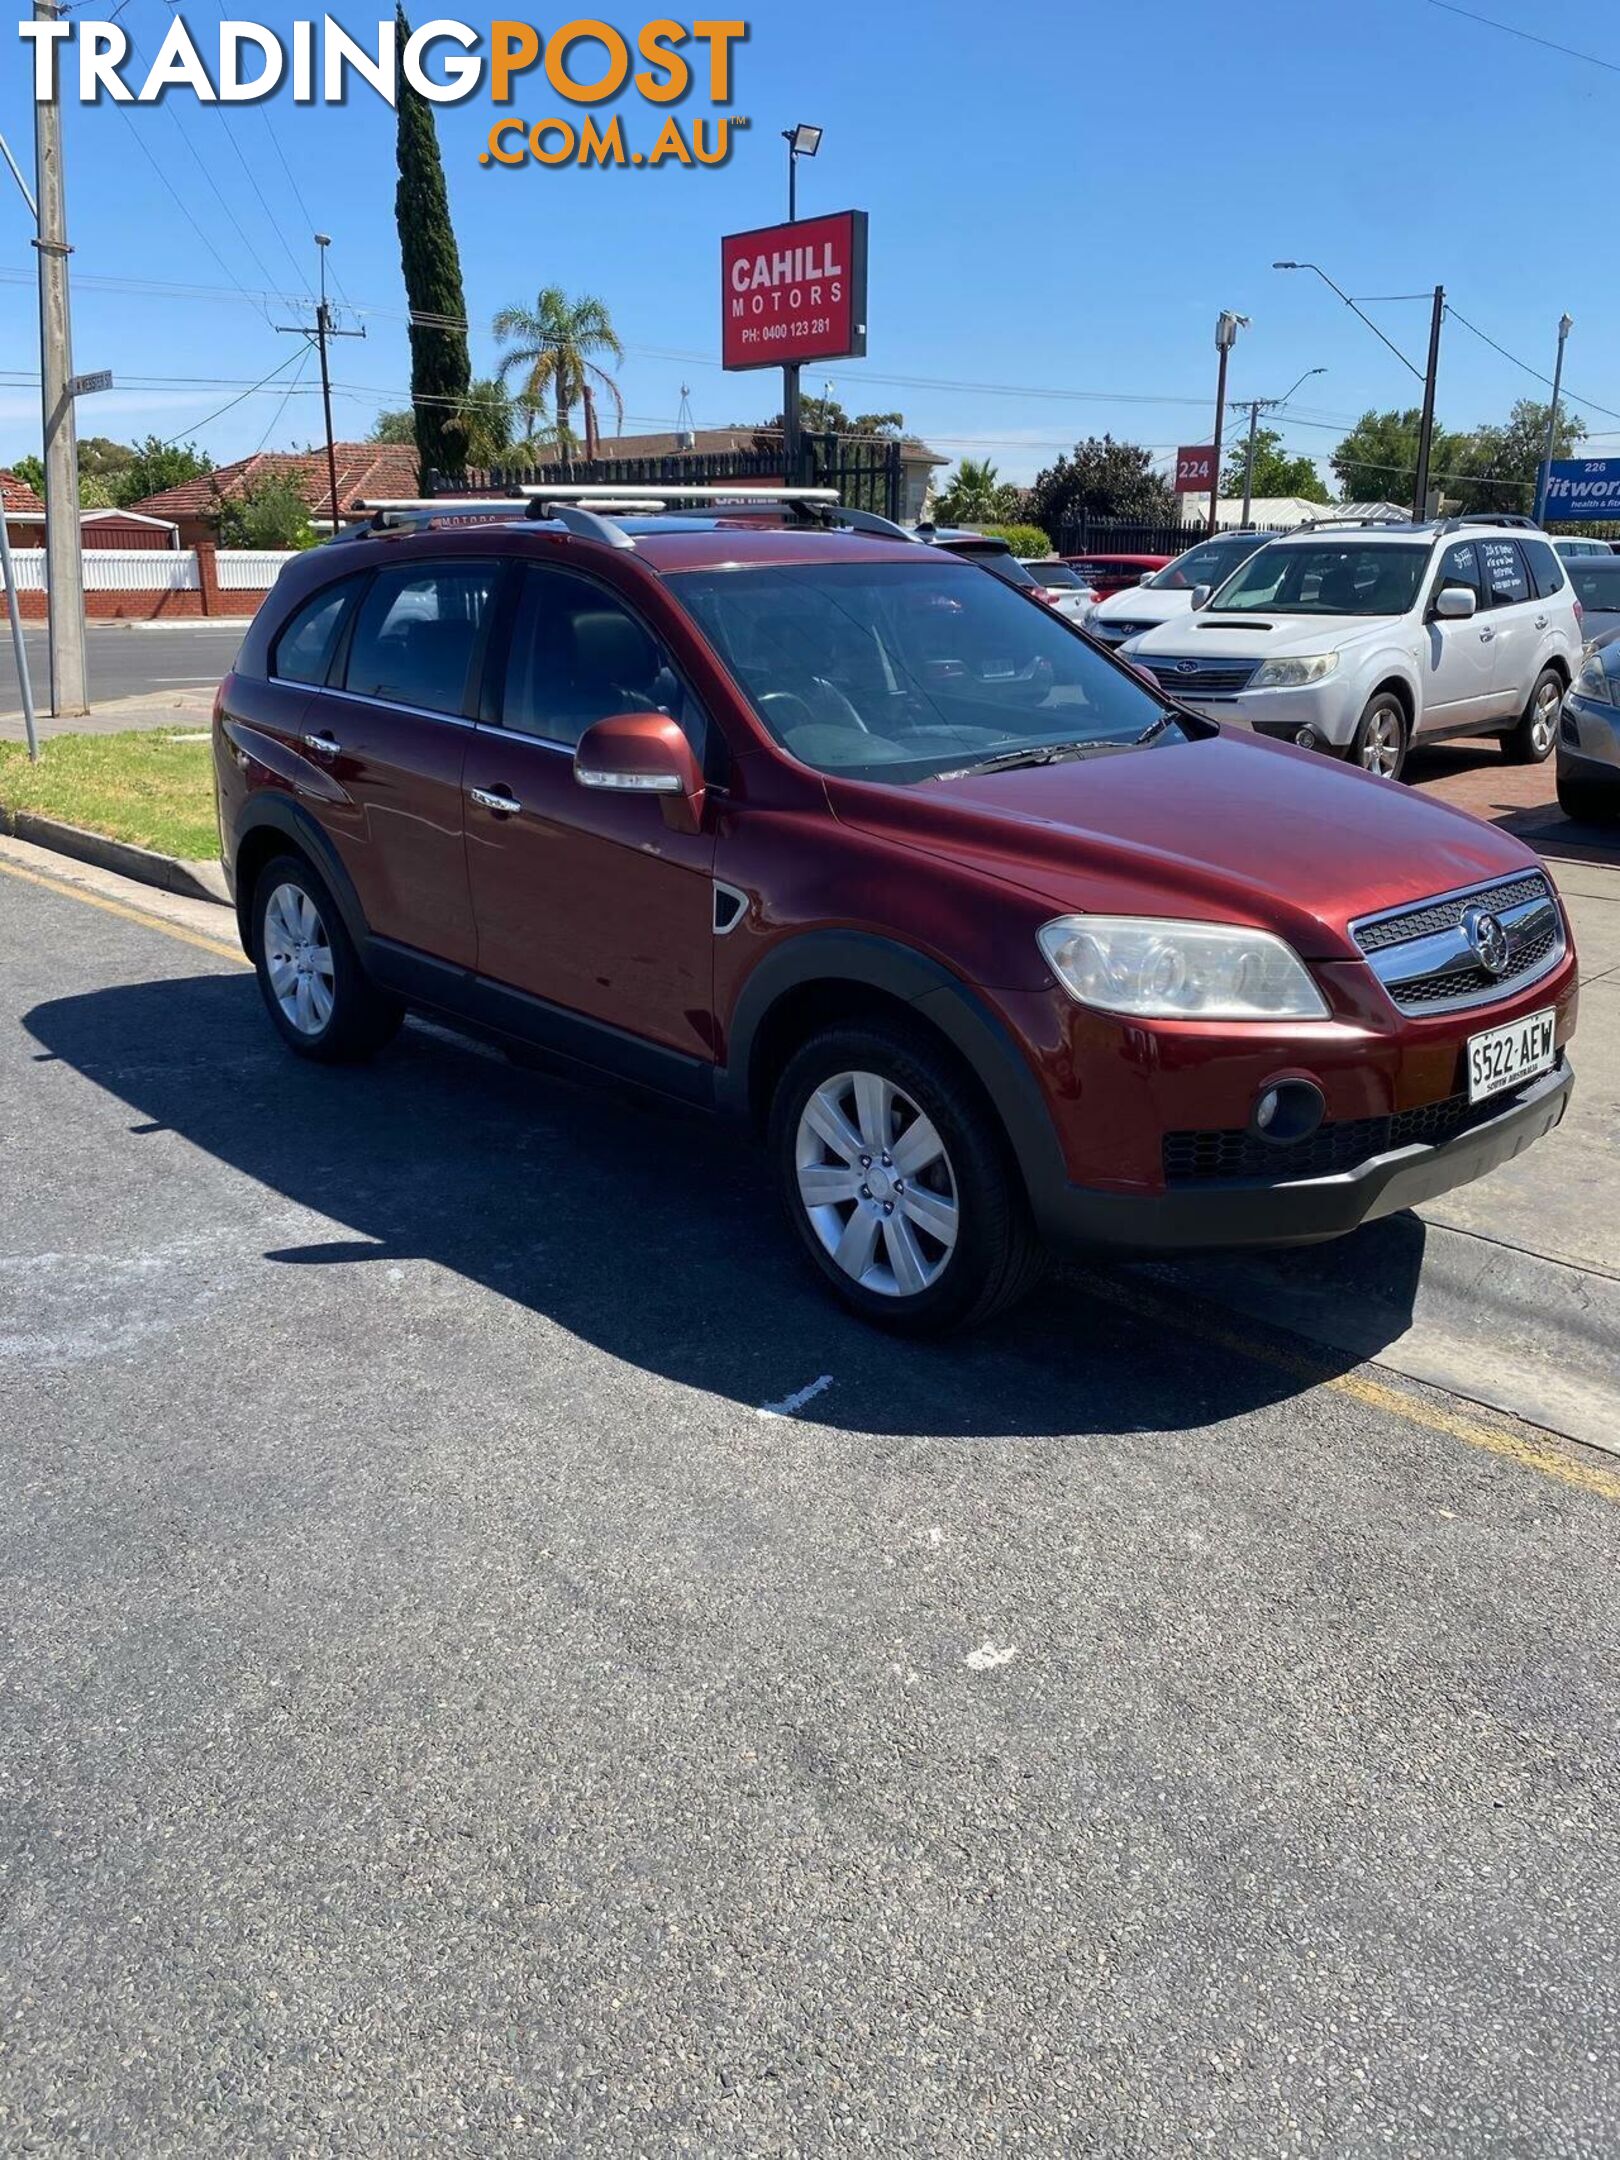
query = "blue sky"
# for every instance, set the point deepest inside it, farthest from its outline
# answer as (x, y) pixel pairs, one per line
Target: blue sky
(1062, 197)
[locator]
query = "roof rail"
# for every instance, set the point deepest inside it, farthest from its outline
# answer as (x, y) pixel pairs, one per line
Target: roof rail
(406, 512)
(590, 513)
(1345, 524)
(1515, 519)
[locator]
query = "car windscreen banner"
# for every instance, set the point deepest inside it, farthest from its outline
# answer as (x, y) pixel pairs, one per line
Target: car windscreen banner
(1582, 488)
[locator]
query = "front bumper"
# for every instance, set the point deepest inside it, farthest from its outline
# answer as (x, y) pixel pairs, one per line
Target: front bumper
(1305, 1211)
(1330, 709)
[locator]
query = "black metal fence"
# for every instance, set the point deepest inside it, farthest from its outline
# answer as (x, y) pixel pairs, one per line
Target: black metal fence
(1123, 536)
(867, 473)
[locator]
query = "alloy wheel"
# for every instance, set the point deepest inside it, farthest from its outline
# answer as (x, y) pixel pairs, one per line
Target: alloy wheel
(1544, 717)
(1381, 745)
(876, 1184)
(298, 959)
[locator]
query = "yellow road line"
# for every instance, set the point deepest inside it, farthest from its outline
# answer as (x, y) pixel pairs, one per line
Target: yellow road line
(1547, 1457)
(1550, 1457)
(69, 891)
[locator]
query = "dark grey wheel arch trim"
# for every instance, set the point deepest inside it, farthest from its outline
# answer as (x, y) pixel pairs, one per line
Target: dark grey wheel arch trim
(958, 1012)
(290, 821)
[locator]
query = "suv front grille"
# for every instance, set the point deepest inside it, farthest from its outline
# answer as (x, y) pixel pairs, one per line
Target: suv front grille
(1203, 678)
(1428, 960)
(1193, 1158)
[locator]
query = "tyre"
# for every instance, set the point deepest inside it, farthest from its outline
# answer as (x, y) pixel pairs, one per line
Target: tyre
(1588, 802)
(1379, 744)
(1532, 740)
(320, 999)
(898, 1181)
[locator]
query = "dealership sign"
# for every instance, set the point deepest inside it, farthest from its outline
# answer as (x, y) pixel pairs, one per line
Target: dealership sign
(793, 293)
(1195, 470)
(1582, 488)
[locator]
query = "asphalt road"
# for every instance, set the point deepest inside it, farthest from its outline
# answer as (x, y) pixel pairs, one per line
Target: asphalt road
(124, 661)
(441, 1712)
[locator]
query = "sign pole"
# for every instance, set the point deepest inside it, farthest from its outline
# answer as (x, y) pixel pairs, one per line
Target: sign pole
(1544, 472)
(64, 602)
(1420, 491)
(24, 681)
(792, 442)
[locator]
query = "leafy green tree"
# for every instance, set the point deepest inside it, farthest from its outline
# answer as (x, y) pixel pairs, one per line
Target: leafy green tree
(552, 349)
(100, 458)
(488, 424)
(1377, 460)
(1275, 473)
(1023, 539)
(271, 513)
(30, 470)
(394, 427)
(1102, 478)
(971, 495)
(95, 494)
(155, 465)
(1493, 467)
(441, 368)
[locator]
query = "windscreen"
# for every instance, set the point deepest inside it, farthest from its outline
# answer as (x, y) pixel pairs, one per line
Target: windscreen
(1206, 565)
(1327, 577)
(903, 671)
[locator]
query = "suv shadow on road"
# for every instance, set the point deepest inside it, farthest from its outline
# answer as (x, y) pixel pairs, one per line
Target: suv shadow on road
(648, 1230)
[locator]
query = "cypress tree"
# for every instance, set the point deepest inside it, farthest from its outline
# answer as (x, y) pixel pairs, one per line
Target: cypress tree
(441, 368)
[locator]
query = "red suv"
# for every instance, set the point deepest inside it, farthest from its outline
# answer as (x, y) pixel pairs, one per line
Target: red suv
(828, 829)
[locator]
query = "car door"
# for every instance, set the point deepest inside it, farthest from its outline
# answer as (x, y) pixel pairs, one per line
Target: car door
(592, 901)
(392, 733)
(1458, 664)
(1516, 636)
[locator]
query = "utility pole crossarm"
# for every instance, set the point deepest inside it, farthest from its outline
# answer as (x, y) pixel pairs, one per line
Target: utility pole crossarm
(320, 335)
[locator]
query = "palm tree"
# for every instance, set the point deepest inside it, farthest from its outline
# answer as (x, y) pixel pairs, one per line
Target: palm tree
(971, 493)
(551, 345)
(486, 421)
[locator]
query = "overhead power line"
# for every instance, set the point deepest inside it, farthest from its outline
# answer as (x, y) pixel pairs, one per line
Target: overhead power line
(1569, 396)
(1529, 36)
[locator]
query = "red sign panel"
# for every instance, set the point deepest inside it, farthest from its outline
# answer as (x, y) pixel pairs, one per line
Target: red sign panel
(1195, 470)
(792, 293)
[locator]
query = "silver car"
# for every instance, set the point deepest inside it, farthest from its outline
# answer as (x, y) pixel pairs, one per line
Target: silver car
(1596, 579)
(1589, 737)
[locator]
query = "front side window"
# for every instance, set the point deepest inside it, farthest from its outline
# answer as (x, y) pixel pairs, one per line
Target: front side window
(1325, 577)
(303, 651)
(905, 671)
(1460, 566)
(418, 632)
(1505, 578)
(578, 656)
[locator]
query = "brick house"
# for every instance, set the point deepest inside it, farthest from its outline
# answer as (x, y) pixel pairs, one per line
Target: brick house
(364, 470)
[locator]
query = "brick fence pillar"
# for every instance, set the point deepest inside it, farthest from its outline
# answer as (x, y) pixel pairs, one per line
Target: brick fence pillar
(208, 576)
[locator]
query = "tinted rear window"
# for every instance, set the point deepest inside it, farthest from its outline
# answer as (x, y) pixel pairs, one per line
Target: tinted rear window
(1546, 572)
(1054, 573)
(1596, 582)
(303, 650)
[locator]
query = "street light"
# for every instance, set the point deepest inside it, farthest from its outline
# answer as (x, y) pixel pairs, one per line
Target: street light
(802, 141)
(1256, 407)
(1565, 326)
(1428, 377)
(1227, 326)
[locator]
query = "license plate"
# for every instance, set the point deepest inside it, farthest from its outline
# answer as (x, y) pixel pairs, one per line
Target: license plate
(1506, 1057)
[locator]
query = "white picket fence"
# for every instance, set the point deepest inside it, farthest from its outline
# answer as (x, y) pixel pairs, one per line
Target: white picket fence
(157, 570)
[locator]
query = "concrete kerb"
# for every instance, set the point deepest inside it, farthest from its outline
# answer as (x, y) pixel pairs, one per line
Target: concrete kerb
(192, 880)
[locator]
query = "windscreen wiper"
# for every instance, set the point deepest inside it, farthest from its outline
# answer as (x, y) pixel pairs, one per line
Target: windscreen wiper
(1034, 754)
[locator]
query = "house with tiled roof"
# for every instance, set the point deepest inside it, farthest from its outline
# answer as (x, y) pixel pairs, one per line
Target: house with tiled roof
(364, 471)
(917, 462)
(20, 503)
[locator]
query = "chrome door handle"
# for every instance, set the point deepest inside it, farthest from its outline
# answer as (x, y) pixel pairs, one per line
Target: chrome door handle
(491, 799)
(323, 745)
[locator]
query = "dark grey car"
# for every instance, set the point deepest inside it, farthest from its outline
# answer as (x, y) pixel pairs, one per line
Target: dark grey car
(1596, 579)
(1589, 733)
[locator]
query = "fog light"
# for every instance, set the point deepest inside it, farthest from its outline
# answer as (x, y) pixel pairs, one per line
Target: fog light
(1287, 1111)
(1306, 738)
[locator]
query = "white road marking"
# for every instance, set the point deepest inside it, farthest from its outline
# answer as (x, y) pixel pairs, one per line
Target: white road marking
(987, 1656)
(797, 1400)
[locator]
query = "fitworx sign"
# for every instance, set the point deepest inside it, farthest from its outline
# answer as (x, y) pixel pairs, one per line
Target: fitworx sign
(1583, 488)
(792, 293)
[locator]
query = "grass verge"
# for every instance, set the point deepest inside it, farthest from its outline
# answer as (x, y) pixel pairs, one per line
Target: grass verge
(150, 786)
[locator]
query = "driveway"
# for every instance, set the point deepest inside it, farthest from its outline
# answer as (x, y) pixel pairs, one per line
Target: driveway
(495, 1662)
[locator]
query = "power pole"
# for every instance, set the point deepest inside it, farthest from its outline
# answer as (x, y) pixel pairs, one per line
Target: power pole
(1227, 326)
(1566, 324)
(64, 567)
(1420, 490)
(324, 330)
(1248, 461)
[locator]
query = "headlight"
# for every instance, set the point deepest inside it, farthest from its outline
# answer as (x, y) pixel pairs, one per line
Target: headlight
(1153, 970)
(1593, 682)
(1294, 674)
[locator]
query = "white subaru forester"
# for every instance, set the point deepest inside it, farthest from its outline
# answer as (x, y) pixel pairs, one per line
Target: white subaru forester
(1363, 638)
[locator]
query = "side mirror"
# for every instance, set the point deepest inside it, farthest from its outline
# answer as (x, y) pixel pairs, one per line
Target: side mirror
(1147, 577)
(1201, 594)
(1454, 603)
(644, 753)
